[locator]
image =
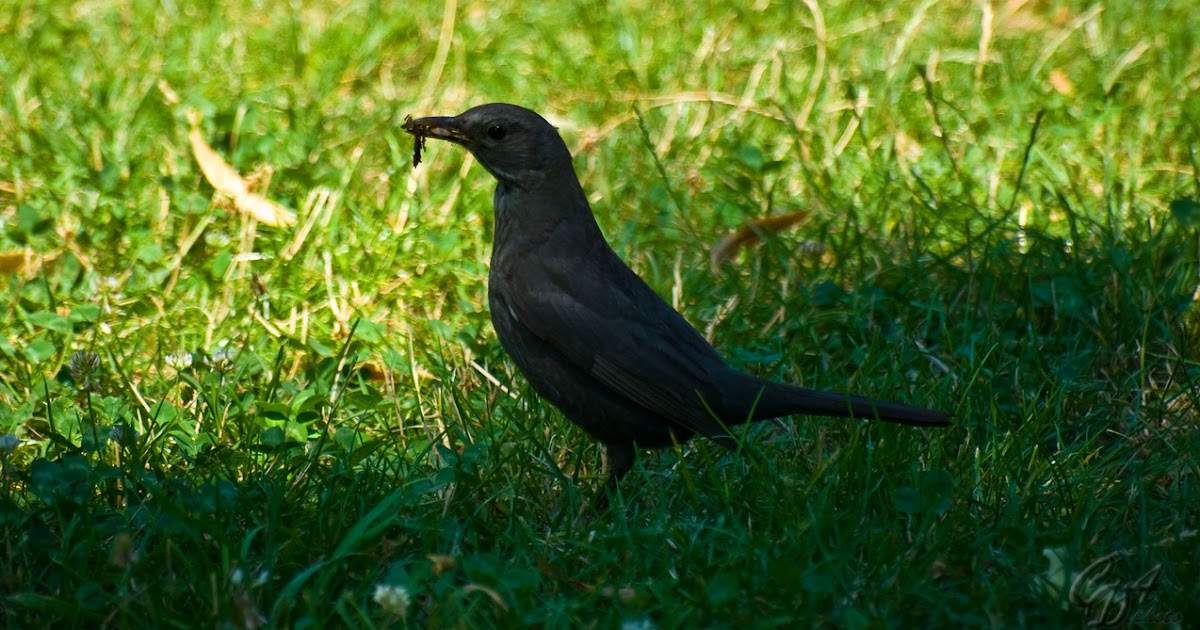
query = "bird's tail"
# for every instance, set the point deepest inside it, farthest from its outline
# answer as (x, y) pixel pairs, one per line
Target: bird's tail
(777, 399)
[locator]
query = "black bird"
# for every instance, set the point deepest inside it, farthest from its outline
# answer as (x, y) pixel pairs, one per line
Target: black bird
(590, 335)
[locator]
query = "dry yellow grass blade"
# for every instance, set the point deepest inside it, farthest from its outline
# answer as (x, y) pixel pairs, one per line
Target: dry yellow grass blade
(227, 181)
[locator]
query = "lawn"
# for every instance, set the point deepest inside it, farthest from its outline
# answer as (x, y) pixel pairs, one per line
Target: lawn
(209, 419)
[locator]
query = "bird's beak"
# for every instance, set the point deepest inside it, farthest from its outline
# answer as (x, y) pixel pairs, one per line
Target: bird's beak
(440, 127)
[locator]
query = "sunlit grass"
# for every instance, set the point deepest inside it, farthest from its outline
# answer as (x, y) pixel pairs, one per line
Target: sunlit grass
(207, 421)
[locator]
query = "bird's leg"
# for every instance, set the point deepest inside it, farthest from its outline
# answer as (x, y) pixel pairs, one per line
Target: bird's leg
(620, 462)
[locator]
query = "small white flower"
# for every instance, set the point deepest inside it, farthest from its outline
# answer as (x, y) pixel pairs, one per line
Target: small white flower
(394, 599)
(261, 578)
(640, 623)
(85, 370)
(216, 238)
(180, 360)
(220, 360)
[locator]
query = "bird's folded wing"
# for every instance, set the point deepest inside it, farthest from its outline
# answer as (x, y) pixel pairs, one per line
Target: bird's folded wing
(626, 337)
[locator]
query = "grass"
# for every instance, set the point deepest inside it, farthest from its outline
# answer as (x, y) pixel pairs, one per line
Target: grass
(211, 422)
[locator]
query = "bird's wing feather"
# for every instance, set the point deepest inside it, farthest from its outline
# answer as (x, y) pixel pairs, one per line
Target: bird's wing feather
(615, 327)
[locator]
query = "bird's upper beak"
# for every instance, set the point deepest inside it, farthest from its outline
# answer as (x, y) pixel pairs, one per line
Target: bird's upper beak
(440, 127)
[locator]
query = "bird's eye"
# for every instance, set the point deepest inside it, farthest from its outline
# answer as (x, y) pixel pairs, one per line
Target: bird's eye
(497, 132)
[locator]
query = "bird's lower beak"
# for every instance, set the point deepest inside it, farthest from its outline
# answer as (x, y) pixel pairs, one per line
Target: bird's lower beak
(440, 127)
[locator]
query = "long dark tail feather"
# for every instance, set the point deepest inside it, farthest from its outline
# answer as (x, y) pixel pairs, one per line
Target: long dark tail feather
(778, 399)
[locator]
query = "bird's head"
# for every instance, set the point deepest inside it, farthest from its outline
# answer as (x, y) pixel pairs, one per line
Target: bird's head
(516, 145)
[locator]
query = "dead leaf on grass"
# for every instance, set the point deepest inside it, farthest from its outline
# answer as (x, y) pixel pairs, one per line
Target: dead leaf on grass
(226, 180)
(750, 234)
(16, 262)
(1060, 83)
